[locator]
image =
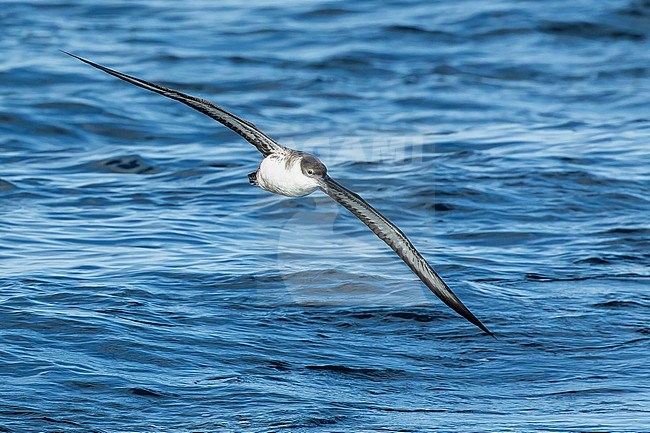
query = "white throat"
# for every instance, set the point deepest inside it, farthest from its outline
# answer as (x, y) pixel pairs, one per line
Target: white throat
(281, 174)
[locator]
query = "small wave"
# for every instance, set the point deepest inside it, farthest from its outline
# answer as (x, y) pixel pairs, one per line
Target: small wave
(278, 365)
(133, 164)
(537, 277)
(592, 261)
(144, 392)
(588, 30)
(6, 186)
(414, 316)
(326, 12)
(585, 391)
(618, 304)
(641, 231)
(416, 30)
(320, 421)
(60, 421)
(360, 372)
(637, 9)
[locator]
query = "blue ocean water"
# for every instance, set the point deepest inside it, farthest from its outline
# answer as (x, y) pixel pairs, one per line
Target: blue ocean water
(145, 286)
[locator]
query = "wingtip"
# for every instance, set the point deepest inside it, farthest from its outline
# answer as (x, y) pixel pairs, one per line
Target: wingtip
(471, 318)
(74, 55)
(83, 60)
(485, 329)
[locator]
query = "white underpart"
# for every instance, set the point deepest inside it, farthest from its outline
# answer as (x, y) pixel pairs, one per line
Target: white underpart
(277, 176)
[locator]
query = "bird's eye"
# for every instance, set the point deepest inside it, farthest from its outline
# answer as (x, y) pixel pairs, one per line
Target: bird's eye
(310, 171)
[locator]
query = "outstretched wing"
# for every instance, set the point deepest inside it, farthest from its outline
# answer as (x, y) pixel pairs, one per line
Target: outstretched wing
(254, 136)
(398, 241)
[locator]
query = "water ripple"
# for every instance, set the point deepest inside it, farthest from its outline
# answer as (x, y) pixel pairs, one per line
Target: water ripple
(146, 286)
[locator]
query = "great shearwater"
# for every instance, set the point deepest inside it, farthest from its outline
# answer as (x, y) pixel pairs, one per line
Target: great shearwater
(293, 173)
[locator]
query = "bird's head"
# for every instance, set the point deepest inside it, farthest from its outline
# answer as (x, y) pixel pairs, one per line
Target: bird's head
(312, 167)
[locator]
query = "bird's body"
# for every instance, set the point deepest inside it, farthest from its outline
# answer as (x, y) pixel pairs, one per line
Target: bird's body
(281, 173)
(292, 173)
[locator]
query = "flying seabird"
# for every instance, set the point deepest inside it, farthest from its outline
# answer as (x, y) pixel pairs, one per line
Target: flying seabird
(293, 173)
